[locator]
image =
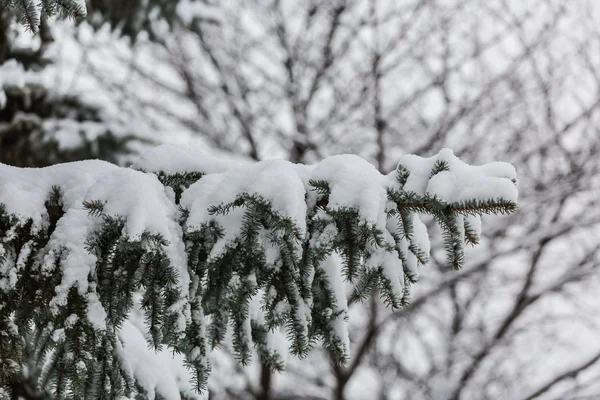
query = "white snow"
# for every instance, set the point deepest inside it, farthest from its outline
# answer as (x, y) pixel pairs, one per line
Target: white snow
(95, 312)
(147, 207)
(161, 372)
(77, 263)
(173, 159)
(14, 75)
(354, 183)
(332, 266)
(275, 180)
(421, 237)
(463, 181)
(24, 191)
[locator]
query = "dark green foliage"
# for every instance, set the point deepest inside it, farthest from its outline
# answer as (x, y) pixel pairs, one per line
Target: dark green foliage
(179, 181)
(30, 12)
(471, 235)
(26, 137)
(32, 115)
(23, 317)
(129, 18)
(245, 252)
(81, 360)
(133, 17)
(439, 166)
(449, 216)
(63, 8)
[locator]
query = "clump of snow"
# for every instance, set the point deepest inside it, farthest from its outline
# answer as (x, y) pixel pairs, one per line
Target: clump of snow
(354, 183)
(77, 263)
(158, 372)
(276, 181)
(71, 134)
(14, 75)
(24, 191)
(421, 237)
(147, 208)
(462, 181)
(139, 197)
(332, 266)
(172, 159)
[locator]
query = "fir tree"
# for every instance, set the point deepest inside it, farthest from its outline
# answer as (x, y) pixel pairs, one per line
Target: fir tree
(31, 13)
(208, 251)
(32, 117)
(39, 127)
(129, 17)
(151, 17)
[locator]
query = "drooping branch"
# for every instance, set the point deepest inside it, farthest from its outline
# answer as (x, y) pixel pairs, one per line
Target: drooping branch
(191, 245)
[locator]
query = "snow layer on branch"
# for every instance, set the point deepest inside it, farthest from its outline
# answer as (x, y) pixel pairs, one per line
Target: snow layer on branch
(354, 183)
(462, 182)
(276, 181)
(332, 266)
(136, 196)
(25, 190)
(71, 134)
(77, 263)
(172, 159)
(14, 75)
(421, 236)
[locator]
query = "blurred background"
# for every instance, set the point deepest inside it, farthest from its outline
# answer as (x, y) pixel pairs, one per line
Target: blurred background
(506, 80)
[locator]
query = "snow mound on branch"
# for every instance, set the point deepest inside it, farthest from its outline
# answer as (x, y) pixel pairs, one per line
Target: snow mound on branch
(462, 182)
(276, 181)
(69, 238)
(24, 191)
(354, 183)
(171, 159)
(14, 75)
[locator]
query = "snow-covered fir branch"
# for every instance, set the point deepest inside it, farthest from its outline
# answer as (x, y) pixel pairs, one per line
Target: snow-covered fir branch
(193, 251)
